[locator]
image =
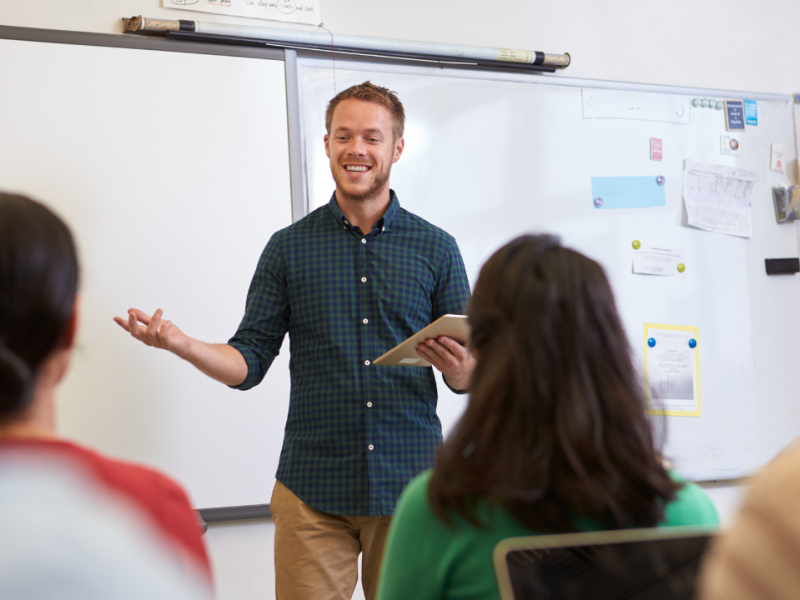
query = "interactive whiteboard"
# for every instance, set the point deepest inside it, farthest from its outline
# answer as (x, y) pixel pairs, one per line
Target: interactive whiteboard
(490, 156)
(172, 170)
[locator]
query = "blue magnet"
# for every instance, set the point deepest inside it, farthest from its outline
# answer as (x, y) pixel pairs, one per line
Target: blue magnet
(598, 202)
(651, 342)
(660, 180)
(692, 343)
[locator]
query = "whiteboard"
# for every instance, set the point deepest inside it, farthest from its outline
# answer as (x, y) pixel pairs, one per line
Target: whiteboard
(172, 170)
(490, 156)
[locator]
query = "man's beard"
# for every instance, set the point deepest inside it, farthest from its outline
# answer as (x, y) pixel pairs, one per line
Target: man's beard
(372, 191)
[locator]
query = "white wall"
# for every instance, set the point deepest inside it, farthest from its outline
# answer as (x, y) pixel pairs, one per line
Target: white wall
(724, 44)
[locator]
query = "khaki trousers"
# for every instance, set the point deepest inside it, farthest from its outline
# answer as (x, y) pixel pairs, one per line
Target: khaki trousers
(316, 553)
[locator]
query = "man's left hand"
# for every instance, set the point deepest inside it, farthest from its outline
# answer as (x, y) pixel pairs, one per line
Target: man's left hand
(454, 360)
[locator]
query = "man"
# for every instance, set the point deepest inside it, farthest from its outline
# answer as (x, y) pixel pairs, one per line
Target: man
(347, 282)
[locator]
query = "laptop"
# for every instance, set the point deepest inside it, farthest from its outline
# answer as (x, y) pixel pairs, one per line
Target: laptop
(630, 564)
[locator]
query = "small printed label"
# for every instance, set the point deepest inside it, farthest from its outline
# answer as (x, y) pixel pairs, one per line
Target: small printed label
(410, 361)
(734, 115)
(520, 56)
(656, 148)
(729, 144)
(751, 112)
(667, 261)
(777, 158)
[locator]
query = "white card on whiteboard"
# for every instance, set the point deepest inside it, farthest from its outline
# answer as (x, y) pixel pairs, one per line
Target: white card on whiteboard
(659, 259)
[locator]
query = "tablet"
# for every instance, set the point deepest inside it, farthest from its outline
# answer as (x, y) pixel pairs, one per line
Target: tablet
(405, 354)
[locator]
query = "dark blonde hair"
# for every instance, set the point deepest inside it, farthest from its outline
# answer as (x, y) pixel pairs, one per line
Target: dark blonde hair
(369, 92)
(555, 428)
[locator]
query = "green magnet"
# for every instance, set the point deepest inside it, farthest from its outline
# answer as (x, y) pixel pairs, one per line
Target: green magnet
(681, 267)
(636, 244)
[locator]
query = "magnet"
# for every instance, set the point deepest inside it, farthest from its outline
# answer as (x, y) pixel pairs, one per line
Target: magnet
(636, 244)
(660, 180)
(651, 342)
(681, 267)
(598, 202)
(705, 102)
(692, 343)
(719, 105)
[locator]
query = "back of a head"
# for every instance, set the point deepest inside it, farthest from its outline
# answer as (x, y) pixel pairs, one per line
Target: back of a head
(555, 426)
(38, 283)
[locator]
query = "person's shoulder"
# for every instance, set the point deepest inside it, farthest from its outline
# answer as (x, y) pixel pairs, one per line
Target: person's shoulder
(416, 492)
(125, 476)
(691, 506)
(420, 226)
(413, 504)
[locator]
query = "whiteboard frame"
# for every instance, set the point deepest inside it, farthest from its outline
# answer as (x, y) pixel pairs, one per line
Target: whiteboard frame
(317, 60)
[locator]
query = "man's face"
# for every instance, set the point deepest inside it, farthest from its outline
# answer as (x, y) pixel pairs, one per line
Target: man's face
(362, 149)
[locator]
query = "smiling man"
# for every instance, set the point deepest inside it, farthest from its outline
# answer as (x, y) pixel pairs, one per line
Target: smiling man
(348, 282)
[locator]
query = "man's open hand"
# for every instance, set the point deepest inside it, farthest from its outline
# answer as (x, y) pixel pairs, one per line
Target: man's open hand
(155, 332)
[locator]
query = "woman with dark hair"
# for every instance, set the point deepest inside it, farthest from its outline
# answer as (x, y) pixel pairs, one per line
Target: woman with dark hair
(554, 438)
(38, 321)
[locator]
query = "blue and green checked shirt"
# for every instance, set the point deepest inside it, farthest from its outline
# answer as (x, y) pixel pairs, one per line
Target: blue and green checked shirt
(356, 433)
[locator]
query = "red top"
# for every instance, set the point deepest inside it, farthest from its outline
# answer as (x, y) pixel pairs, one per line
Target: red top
(160, 499)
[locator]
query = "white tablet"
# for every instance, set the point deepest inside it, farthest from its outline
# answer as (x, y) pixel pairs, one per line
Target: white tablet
(405, 354)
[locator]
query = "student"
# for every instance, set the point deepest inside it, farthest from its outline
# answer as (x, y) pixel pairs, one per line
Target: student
(759, 557)
(554, 438)
(348, 282)
(38, 323)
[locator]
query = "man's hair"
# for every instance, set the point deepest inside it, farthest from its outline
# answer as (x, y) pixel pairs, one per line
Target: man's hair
(555, 429)
(369, 92)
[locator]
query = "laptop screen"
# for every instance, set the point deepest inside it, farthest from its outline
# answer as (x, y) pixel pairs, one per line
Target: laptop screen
(646, 566)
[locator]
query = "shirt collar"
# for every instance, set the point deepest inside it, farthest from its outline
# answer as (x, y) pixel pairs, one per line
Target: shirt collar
(383, 224)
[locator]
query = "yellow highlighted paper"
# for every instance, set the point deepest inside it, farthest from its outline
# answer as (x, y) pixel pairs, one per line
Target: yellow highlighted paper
(672, 370)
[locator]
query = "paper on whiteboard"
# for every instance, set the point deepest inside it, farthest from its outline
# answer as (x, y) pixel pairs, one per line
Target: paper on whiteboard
(639, 106)
(291, 11)
(660, 259)
(672, 372)
(718, 198)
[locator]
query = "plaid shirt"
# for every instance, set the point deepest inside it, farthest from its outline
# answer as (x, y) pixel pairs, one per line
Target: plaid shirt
(356, 433)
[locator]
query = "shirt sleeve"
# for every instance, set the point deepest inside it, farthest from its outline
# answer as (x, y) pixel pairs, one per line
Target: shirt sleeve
(413, 561)
(266, 317)
(451, 293)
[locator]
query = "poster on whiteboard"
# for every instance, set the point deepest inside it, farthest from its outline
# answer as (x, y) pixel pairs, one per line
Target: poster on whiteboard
(290, 11)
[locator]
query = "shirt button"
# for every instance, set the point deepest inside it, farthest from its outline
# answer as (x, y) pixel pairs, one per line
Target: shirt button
(363, 280)
(366, 321)
(371, 447)
(369, 404)
(346, 223)
(366, 362)
(344, 227)
(383, 228)
(363, 241)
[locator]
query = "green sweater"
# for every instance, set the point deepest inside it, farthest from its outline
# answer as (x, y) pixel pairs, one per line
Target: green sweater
(425, 559)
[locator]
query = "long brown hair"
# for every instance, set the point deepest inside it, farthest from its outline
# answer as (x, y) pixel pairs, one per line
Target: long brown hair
(555, 428)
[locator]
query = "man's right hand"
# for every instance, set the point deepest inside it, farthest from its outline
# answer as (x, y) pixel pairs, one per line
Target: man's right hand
(219, 361)
(152, 331)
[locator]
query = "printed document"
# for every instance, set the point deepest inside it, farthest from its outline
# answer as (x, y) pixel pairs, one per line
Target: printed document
(660, 259)
(718, 198)
(672, 370)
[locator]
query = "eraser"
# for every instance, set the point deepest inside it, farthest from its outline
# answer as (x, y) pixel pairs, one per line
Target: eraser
(782, 266)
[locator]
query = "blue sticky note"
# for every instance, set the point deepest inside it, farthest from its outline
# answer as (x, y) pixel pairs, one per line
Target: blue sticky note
(627, 192)
(751, 112)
